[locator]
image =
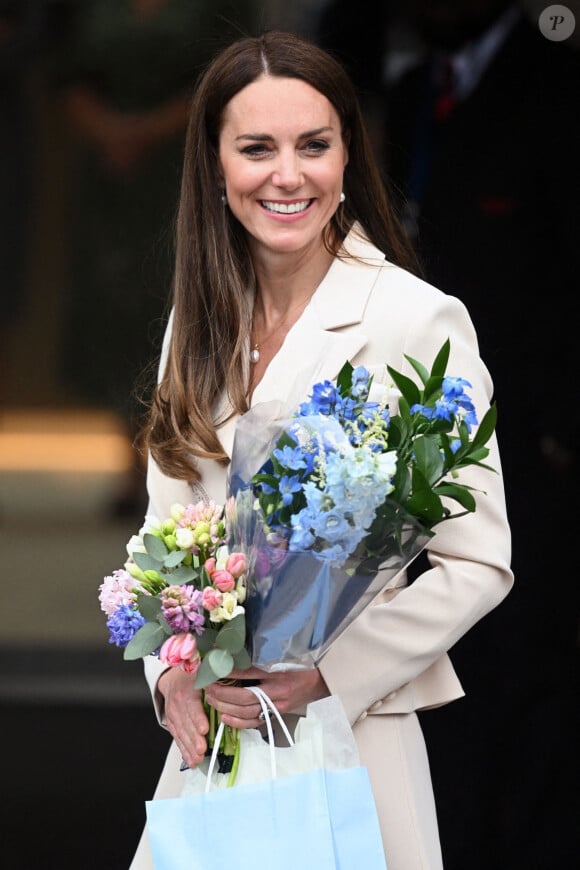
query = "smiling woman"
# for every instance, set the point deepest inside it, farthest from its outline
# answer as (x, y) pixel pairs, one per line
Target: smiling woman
(282, 156)
(289, 261)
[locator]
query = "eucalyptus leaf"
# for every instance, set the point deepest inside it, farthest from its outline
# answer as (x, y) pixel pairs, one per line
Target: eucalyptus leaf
(242, 660)
(155, 546)
(145, 641)
(182, 575)
(175, 558)
(147, 562)
(221, 662)
(232, 636)
(216, 665)
(205, 675)
(149, 606)
(206, 641)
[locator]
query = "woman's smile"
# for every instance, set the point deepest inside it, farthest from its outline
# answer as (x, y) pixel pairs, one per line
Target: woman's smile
(282, 157)
(288, 208)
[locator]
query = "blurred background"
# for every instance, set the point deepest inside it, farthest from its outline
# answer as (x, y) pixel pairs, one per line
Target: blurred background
(482, 162)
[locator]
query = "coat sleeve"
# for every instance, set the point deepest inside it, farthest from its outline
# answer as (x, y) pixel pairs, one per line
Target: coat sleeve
(398, 638)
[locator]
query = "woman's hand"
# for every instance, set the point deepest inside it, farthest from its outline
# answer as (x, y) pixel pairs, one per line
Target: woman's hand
(289, 690)
(184, 714)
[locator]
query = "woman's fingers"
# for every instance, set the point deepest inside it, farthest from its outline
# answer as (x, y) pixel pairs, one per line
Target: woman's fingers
(185, 716)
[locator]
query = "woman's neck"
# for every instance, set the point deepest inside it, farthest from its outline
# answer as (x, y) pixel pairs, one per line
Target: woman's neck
(285, 285)
(284, 281)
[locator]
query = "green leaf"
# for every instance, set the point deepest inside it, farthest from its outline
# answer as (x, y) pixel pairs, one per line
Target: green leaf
(172, 560)
(486, 427)
(458, 493)
(432, 391)
(147, 562)
(155, 547)
(242, 660)
(439, 367)
(221, 661)
(474, 457)
(216, 665)
(397, 432)
(423, 502)
(409, 388)
(205, 675)
(181, 575)
(268, 479)
(428, 459)
(232, 635)
(419, 368)
(145, 641)
(149, 607)
(344, 379)
(206, 641)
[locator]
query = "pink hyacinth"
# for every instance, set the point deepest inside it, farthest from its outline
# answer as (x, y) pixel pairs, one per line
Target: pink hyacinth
(204, 513)
(182, 608)
(118, 589)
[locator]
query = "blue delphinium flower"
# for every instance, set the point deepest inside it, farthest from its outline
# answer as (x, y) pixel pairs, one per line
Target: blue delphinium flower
(454, 402)
(324, 400)
(453, 387)
(287, 487)
(123, 624)
(290, 457)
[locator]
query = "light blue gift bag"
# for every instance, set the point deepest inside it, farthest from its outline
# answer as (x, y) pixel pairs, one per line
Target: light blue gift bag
(323, 819)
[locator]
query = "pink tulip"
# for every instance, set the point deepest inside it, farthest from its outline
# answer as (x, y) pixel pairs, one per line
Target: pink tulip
(212, 598)
(180, 650)
(236, 564)
(223, 580)
(210, 565)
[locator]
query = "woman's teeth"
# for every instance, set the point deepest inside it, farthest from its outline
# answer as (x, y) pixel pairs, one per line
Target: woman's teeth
(286, 207)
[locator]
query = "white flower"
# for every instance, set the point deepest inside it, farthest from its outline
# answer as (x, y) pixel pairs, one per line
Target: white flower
(136, 545)
(393, 396)
(228, 610)
(177, 511)
(184, 538)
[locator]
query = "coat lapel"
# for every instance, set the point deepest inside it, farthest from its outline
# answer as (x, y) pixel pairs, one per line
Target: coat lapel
(328, 333)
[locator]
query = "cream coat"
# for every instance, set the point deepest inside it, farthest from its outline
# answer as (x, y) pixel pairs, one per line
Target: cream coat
(393, 659)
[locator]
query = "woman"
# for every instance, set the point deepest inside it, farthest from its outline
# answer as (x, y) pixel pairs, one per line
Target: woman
(289, 263)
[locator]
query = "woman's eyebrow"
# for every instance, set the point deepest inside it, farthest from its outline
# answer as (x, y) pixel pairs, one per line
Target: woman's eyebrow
(266, 137)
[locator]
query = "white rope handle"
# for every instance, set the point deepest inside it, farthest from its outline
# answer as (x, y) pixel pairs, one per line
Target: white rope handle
(268, 707)
(267, 702)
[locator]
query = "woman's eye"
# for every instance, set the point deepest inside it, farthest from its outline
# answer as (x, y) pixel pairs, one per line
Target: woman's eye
(257, 150)
(317, 146)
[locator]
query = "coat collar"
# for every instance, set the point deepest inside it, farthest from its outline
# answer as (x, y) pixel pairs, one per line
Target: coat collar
(314, 349)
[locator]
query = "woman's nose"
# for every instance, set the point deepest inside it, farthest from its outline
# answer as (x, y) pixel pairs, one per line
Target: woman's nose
(287, 172)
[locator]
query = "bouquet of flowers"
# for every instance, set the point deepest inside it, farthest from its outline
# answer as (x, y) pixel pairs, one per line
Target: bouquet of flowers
(346, 495)
(180, 596)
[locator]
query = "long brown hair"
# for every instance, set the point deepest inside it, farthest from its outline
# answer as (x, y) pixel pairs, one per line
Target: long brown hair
(213, 268)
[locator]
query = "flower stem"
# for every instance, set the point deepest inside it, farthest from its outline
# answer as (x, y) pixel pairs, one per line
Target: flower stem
(236, 764)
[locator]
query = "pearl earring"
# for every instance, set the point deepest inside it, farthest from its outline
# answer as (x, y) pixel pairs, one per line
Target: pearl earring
(342, 197)
(224, 198)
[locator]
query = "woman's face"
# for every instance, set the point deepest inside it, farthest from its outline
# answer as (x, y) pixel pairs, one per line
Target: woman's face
(282, 159)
